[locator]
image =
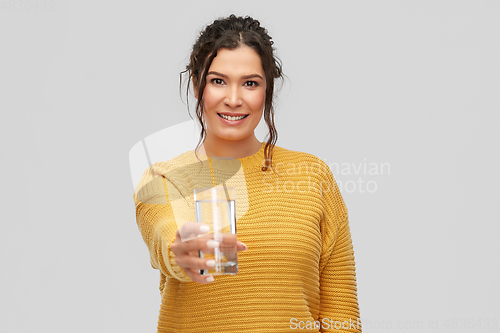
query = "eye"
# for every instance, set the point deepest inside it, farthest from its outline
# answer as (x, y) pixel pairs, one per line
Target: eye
(251, 84)
(217, 81)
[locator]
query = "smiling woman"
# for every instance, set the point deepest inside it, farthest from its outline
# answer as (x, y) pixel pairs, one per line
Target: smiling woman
(296, 261)
(233, 103)
(233, 61)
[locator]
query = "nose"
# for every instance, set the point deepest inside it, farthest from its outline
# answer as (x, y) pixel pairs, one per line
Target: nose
(233, 98)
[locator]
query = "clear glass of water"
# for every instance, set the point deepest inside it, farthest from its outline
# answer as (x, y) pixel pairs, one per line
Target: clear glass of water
(215, 207)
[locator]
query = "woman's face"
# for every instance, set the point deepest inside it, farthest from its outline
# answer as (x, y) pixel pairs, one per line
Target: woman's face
(235, 87)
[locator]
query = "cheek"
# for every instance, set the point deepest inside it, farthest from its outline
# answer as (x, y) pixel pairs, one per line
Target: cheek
(210, 98)
(258, 101)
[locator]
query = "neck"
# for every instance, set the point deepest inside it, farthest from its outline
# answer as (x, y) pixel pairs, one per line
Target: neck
(215, 147)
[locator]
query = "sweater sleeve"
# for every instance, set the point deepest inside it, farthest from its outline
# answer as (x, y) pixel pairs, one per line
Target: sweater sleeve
(156, 222)
(339, 309)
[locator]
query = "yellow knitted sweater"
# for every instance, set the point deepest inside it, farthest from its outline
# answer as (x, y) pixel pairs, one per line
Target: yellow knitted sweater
(298, 273)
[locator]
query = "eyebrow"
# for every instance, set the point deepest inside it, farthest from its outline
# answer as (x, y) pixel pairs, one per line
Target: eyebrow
(244, 77)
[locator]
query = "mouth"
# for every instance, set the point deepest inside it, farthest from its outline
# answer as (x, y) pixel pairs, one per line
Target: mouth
(226, 117)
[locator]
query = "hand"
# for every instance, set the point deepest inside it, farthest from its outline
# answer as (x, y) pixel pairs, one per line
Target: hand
(186, 246)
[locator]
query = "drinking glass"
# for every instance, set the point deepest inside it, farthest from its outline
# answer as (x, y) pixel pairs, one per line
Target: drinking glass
(215, 207)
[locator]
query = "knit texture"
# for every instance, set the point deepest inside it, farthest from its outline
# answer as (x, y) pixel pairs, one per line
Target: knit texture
(298, 273)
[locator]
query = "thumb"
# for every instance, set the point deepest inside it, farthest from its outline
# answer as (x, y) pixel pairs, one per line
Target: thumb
(240, 246)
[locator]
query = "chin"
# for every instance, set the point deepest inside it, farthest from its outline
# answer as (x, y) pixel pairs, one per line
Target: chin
(232, 137)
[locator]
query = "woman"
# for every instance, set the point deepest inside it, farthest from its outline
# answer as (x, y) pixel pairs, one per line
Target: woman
(296, 261)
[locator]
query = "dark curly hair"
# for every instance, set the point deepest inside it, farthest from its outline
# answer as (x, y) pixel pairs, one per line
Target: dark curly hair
(230, 33)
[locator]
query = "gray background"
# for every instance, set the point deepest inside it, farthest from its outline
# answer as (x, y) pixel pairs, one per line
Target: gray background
(413, 84)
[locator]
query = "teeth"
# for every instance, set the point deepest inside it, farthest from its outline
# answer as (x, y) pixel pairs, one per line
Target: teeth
(232, 118)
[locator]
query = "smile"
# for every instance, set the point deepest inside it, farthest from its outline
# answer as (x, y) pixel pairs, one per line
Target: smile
(232, 118)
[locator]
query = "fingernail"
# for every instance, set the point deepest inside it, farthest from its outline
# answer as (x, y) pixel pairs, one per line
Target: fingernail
(204, 228)
(210, 263)
(210, 279)
(212, 244)
(246, 247)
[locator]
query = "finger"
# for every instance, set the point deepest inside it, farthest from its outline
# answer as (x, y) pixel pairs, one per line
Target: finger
(197, 277)
(211, 245)
(179, 247)
(200, 230)
(241, 246)
(194, 262)
(190, 230)
(206, 244)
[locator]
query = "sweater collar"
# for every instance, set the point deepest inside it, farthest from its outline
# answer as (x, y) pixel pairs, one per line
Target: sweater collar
(250, 163)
